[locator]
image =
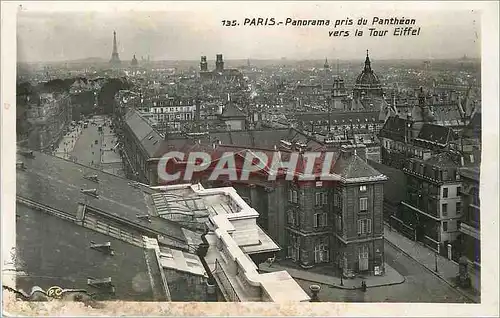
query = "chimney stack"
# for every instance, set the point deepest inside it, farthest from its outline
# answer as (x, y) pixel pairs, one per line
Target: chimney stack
(348, 151)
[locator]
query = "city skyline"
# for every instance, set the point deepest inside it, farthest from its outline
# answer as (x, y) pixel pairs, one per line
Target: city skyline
(182, 35)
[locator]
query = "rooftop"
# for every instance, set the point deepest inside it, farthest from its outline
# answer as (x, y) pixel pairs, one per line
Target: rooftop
(230, 237)
(72, 189)
(352, 168)
(148, 137)
(54, 252)
(222, 206)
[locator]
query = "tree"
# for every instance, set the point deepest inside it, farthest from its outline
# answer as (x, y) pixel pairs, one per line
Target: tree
(108, 91)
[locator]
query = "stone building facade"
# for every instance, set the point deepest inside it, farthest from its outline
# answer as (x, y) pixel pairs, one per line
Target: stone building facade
(49, 114)
(469, 240)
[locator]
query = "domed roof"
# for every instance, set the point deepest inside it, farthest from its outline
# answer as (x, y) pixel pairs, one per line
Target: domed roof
(367, 76)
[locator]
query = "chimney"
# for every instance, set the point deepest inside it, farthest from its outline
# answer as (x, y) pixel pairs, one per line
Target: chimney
(348, 151)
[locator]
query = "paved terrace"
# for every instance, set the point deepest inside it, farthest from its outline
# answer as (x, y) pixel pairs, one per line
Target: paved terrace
(234, 235)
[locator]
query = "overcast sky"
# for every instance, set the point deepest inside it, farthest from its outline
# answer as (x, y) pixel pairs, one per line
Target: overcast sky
(184, 31)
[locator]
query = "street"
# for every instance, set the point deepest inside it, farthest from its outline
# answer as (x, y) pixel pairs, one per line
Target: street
(80, 145)
(86, 151)
(420, 286)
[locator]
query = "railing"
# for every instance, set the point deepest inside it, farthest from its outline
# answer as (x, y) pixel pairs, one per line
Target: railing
(430, 242)
(402, 228)
(227, 287)
(46, 209)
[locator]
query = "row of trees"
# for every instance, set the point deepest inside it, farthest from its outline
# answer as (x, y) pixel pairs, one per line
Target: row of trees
(28, 94)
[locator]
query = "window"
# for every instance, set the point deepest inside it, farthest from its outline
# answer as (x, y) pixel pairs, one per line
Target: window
(324, 199)
(459, 207)
(291, 217)
(444, 208)
(363, 251)
(338, 220)
(293, 247)
(363, 204)
(445, 226)
(445, 175)
(459, 191)
(362, 188)
(445, 192)
(294, 196)
(290, 196)
(337, 200)
(321, 251)
(318, 198)
(364, 226)
(320, 219)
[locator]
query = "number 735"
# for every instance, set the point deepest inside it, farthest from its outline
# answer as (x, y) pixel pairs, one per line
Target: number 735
(229, 23)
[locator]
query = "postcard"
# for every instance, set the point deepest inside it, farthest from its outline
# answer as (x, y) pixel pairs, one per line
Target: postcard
(249, 158)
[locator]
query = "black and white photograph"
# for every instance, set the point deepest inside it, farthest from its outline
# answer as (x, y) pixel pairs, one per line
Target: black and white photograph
(242, 152)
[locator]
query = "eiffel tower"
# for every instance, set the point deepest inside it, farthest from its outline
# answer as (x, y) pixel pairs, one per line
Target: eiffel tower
(115, 59)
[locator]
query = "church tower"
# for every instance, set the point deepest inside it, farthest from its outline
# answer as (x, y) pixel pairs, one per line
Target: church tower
(115, 59)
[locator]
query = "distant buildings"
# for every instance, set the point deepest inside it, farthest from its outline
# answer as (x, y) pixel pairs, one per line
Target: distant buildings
(47, 115)
(172, 112)
(432, 207)
(431, 151)
(469, 239)
(219, 73)
(300, 215)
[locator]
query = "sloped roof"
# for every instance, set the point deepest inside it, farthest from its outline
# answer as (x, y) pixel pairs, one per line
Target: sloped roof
(263, 138)
(149, 138)
(55, 252)
(471, 172)
(395, 187)
(341, 117)
(443, 160)
(57, 183)
(354, 169)
(436, 134)
(394, 128)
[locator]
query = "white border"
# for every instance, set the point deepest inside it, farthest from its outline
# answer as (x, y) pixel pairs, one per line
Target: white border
(489, 169)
